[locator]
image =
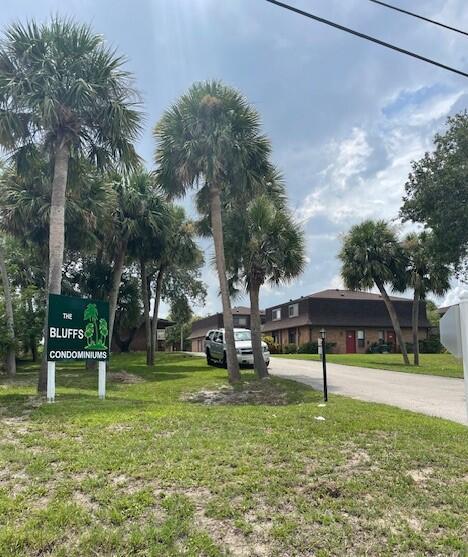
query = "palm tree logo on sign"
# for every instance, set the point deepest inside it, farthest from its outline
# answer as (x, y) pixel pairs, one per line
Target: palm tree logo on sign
(96, 330)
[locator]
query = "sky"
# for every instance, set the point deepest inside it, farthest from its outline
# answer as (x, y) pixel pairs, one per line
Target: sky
(346, 117)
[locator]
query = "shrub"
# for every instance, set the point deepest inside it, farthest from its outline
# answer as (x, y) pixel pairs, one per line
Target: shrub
(308, 348)
(431, 345)
(379, 348)
(290, 348)
(273, 347)
(312, 347)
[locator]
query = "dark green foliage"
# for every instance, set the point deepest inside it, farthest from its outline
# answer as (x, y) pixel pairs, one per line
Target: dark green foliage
(437, 192)
(379, 348)
(431, 345)
(312, 347)
(290, 348)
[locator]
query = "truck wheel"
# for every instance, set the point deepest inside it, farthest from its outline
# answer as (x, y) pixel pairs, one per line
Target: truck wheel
(224, 361)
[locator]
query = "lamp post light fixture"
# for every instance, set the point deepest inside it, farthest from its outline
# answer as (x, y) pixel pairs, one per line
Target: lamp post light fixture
(323, 334)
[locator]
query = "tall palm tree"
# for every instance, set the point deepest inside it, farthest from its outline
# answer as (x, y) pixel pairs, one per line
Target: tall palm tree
(208, 139)
(425, 274)
(61, 86)
(263, 245)
(371, 255)
(10, 324)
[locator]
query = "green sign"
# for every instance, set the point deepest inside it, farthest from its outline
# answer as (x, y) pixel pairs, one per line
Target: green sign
(77, 329)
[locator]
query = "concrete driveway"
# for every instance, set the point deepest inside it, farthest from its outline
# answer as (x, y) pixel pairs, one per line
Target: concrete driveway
(435, 396)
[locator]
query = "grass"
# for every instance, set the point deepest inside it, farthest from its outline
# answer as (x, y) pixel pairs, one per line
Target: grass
(444, 365)
(150, 472)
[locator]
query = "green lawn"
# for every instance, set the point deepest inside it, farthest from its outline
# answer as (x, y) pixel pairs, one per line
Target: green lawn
(149, 473)
(431, 364)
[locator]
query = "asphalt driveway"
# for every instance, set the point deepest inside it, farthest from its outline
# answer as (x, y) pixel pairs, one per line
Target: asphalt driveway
(435, 396)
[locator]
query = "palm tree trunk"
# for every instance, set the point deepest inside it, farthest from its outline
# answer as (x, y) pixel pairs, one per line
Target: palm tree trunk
(415, 324)
(10, 322)
(146, 309)
(217, 229)
(117, 271)
(394, 319)
(56, 240)
(42, 380)
(256, 330)
(154, 321)
(57, 218)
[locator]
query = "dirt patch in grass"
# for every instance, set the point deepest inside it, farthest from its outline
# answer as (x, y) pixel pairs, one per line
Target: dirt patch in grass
(420, 475)
(260, 393)
(124, 377)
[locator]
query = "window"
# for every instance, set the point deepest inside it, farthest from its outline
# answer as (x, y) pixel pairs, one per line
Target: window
(242, 321)
(381, 337)
(292, 336)
(276, 314)
(293, 310)
(360, 339)
(242, 335)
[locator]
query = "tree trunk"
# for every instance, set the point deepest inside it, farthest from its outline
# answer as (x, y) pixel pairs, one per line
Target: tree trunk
(10, 322)
(42, 382)
(394, 319)
(146, 309)
(154, 321)
(181, 338)
(117, 271)
(217, 229)
(415, 324)
(256, 330)
(56, 240)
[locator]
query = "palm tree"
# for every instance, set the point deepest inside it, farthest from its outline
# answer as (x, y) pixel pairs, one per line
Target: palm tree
(62, 87)
(25, 211)
(177, 251)
(372, 256)
(425, 274)
(10, 324)
(140, 210)
(263, 245)
(208, 139)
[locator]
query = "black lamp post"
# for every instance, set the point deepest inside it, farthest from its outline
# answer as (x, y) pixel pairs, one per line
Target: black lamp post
(323, 334)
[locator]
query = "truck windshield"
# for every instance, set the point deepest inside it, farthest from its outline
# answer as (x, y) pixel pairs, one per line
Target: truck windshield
(242, 335)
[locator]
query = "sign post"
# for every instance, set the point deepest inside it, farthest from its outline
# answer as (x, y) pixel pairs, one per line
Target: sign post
(454, 335)
(77, 330)
(50, 381)
(323, 334)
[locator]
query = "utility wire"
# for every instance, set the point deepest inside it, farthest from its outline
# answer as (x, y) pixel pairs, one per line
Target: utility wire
(397, 9)
(366, 37)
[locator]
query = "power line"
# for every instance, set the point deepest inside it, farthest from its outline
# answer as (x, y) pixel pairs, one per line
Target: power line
(366, 37)
(397, 9)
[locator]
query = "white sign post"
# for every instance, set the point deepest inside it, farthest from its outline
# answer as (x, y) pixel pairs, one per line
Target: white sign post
(454, 335)
(102, 380)
(50, 381)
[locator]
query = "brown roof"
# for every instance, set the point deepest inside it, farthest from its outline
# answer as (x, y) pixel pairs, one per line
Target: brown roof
(344, 308)
(334, 294)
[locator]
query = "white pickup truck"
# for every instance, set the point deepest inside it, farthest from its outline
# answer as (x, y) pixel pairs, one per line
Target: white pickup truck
(215, 347)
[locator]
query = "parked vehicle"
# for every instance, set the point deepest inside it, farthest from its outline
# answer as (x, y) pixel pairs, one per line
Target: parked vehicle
(215, 347)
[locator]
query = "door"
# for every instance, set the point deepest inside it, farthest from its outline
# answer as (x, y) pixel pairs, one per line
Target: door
(350, 342)
(217, 346)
